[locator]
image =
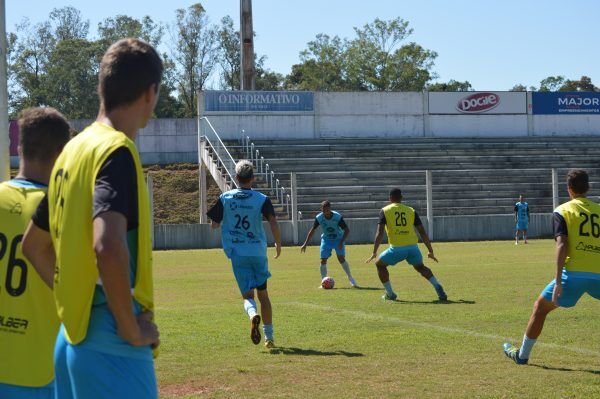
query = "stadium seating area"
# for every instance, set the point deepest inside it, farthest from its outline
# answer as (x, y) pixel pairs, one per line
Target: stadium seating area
(470, 176)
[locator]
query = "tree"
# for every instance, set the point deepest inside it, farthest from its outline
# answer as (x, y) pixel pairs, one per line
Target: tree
(583, 84)
(229, 54)
(552, 83)
(194, 51)
(67, 23)
(451, 85)
(519, 87)
(112, 29)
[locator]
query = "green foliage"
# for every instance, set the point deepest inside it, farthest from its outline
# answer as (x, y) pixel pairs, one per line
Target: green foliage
(347, 343)
(560, 83)
(451, 85)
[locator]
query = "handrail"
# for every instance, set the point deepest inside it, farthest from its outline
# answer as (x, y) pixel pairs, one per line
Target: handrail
(223, 155)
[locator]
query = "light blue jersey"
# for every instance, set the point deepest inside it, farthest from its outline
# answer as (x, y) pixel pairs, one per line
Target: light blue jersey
(331, 227)
(242, 231)
(522, 209)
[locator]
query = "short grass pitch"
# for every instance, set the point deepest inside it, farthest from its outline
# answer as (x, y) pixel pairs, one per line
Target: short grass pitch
(347, 343)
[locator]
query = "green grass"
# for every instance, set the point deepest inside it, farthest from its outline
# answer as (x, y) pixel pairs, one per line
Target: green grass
(347, 343)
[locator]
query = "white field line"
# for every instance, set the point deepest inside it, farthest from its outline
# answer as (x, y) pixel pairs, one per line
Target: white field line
(451, 330)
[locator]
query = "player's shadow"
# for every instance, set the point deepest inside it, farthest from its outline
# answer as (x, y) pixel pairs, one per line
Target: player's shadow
(360, 288)
(437, 302)
(311, 352)
(541, 366)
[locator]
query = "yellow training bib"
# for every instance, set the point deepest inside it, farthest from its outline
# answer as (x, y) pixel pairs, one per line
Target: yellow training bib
(70, 201)
(399, 226)
(28, 319)
(582, 217)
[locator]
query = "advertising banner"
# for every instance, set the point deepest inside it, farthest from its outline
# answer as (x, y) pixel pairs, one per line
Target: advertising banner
(568, 102)
(13, 138)
(477, 102)
(251, 101)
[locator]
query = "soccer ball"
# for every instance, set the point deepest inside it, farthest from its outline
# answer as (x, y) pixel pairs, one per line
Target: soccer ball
(327, 283)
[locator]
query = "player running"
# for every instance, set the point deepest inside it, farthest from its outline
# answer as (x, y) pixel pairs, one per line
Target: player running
(239, 213)
(577, 234)
(29, 321)
(399, 222)
(97, 213)
(335, 233)
(521, 219)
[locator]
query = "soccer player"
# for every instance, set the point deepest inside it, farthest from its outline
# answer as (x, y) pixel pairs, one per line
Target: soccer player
(28, 319)
(399, 222)
(96, 216)
(239, 213)
(521, 219)
(335, 232)
(577, 235)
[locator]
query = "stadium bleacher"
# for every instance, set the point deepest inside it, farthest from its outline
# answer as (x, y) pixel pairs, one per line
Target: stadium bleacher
(470, 176)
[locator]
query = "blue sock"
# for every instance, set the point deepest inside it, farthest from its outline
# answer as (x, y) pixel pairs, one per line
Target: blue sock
(434, 281)
(323, 270)
(250, 307)
(388, 288)
(526, 347)
(268, 330)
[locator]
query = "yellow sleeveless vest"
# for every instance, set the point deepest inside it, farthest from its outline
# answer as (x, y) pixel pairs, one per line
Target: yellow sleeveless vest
(582, 217)
(399, 226)
(70, 200)
(28, 320)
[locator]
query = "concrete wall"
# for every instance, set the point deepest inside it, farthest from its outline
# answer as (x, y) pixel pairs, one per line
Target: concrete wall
(565, 125)
(478, 125)
(446, 228)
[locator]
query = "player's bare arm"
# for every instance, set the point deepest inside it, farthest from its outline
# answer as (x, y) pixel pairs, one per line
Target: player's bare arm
(561, 257)
(38, 249)
(377, 243)
(276, 234)
(311, 232)
(214, 225)
(110, 246)
(343, 240)
(426, 241)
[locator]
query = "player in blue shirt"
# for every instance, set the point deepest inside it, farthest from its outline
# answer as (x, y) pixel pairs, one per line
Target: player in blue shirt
(239, 213)
(521, 219)
(335, 232)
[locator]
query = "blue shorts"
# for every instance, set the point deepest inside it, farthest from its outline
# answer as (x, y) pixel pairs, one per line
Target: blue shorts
(328, 245)
(522, 225)
(574, 286)
(83, 373)
(8, 391)
(410, 253)
(250, 271)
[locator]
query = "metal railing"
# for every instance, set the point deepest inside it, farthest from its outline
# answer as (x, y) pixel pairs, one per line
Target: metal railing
(264, 171)
(224, 158)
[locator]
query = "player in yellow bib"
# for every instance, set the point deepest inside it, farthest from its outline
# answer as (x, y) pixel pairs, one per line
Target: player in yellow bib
(577, 235)
(97, 218)
(399, 221)
(28, 320)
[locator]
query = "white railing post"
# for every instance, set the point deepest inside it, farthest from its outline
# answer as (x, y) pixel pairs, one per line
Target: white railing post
(272, 177)
(555, 199)
(294, 201)
(262, 162)
(429, 193)
(251, 152)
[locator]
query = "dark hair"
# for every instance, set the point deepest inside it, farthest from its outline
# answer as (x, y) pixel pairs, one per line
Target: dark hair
(325, 204)
(43, 132)
(578, 181)
(128, 68)
(395, 193)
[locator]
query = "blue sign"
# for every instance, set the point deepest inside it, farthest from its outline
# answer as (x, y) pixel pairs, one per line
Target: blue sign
(568, 102)
(251, 101)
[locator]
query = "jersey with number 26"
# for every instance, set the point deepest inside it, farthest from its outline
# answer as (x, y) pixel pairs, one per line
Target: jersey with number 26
(242, 231)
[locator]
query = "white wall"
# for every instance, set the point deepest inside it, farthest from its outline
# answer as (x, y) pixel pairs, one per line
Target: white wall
(478, 125)
(566, 125)
(264, 126)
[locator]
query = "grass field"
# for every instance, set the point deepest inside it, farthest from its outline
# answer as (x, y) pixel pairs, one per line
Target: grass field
(347, 343)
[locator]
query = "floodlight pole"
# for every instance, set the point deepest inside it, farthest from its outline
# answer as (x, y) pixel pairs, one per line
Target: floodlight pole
(247, 43)
(4, 145)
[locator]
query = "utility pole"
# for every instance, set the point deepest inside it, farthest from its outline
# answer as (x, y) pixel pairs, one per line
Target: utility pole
(4, 147)
(247, 42)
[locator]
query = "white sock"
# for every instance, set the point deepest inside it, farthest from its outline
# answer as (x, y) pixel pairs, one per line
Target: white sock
(323, 270)
(526, 347)
(250, 307)
(346, 268)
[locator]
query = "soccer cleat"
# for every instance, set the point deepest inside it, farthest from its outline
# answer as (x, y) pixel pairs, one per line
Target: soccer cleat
(269, 344)
(255, 330)
(512, 352)
(387, 297)
(441, 294)
(516, 242)
(525, 241)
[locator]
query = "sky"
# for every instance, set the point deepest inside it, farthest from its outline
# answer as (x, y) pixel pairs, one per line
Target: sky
(494, 44)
